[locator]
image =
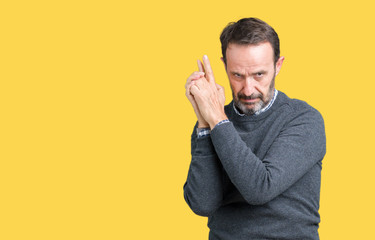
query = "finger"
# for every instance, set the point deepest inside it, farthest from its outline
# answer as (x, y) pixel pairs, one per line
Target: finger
(201, 83)
(194, 90)
(208, 69)
(198, 75)
(188, 94)
(194, 76)
(188, 86)
(200, 66)
(191, 99)
(188, 91)
(219, 87)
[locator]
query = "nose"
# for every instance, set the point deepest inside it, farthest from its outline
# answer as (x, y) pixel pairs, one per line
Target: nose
(249, 86)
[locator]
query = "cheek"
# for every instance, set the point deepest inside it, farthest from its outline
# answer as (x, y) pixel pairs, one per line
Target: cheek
(235, 85)
(263, 86)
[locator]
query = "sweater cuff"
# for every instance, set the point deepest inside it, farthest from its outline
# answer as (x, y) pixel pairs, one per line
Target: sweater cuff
(204, 146)
(221, 122)
(220, 134)
(202, 132)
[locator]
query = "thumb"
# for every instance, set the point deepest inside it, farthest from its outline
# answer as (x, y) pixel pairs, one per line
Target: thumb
(219, 88)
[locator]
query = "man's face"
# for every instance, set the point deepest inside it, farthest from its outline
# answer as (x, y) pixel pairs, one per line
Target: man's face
(251, 71)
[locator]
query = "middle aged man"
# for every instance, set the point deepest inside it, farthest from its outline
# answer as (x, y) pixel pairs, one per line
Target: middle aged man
(256, 163)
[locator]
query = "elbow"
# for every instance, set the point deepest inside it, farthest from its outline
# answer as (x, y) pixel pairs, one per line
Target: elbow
(202, 208)
(204, 211)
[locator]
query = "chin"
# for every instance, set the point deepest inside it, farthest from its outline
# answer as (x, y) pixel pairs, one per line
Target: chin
(249, 109)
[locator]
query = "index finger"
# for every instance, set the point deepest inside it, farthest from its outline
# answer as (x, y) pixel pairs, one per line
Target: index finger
(208, 69)
(200, 66)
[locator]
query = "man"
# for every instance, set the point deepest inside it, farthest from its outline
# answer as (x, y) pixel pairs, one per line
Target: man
(256, 163)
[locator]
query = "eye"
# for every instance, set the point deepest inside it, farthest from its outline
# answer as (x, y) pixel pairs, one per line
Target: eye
(259, 75)
(237, 75)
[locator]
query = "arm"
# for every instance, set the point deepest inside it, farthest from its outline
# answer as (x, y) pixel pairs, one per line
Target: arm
(299, 146)
(203, 188)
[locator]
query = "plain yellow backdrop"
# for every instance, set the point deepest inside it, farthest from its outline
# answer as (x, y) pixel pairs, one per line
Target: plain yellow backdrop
(95, 127)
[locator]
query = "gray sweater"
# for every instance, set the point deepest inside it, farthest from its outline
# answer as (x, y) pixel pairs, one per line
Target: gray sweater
(258, 177)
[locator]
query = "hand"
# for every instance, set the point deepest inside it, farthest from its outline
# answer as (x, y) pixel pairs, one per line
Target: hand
(194, 76)
(208, 95)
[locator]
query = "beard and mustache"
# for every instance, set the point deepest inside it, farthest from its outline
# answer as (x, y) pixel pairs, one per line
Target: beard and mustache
(252, 108)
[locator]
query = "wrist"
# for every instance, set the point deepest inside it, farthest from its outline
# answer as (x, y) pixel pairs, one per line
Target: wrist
(215, 121)
(203, 124)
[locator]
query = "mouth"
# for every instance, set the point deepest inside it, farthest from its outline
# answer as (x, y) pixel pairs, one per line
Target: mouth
(249, 101)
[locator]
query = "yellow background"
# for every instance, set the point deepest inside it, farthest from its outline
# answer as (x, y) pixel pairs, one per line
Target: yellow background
(95, 128)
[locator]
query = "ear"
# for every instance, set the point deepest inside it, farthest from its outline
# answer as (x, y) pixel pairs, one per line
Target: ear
(279, 63)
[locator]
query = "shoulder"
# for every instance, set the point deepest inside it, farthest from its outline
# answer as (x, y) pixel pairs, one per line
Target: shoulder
(304, 120)
(299, 108)
(307, 122)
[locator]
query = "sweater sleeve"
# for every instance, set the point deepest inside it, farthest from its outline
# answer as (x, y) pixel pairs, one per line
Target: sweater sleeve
(203, 188)
(299, 146)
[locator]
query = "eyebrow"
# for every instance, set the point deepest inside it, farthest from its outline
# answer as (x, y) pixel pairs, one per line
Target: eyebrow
(261, 71)
(234, 72)
(256, 72)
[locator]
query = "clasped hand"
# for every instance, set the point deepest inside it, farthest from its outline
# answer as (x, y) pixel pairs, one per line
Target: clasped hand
(206, 96)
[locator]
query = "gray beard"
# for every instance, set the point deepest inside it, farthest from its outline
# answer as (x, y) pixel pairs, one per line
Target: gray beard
(263, 101)
(243, 107)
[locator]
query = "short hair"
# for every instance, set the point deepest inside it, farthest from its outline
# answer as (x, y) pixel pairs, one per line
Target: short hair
(248, 31)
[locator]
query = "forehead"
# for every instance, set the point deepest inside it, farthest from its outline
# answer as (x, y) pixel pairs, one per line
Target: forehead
(249, 56)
